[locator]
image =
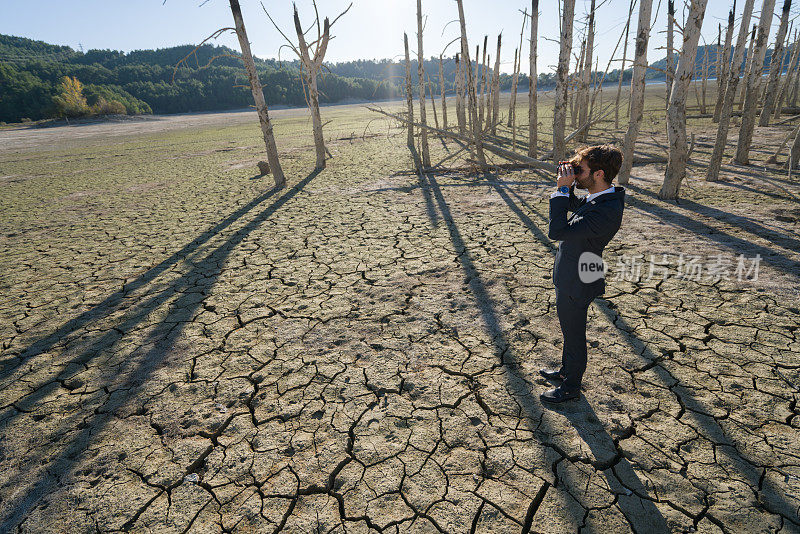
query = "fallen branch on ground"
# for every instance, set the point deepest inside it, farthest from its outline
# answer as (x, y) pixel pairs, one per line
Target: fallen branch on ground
(531, 162)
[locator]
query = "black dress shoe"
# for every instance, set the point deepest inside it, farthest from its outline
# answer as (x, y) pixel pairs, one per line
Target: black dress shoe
(551, 375)
(559, 394)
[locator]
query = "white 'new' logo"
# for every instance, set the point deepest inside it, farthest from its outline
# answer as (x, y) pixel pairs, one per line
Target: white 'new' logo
(591, 267)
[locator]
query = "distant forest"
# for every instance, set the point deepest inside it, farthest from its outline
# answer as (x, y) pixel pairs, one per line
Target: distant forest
(40, 80)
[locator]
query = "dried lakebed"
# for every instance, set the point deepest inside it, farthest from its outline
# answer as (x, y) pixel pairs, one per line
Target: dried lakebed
(184, 349)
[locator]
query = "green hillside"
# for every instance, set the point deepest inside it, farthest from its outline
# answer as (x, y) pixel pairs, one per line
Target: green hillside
(33, 84)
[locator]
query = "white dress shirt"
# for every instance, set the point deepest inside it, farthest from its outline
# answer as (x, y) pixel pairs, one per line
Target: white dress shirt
(588, 197)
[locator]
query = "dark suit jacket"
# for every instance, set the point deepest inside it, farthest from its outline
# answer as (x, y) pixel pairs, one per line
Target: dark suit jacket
(590, 228)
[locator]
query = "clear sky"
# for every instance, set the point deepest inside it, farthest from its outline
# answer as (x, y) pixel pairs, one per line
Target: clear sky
(372, 29)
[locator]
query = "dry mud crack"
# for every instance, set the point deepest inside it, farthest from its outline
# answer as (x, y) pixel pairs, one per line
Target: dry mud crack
(184, 349)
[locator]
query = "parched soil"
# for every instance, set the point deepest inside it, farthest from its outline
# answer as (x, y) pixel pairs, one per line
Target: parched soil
(186, 349)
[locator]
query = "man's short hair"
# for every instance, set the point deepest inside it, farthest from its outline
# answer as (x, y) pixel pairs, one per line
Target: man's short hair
(607, 158)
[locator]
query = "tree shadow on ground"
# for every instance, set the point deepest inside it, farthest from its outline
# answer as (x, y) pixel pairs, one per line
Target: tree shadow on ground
(114, 301)
(430, 209)
(769, 255)
(640, 510)
(703, 422)
(743, 187)
(747, 224)
(134, 370)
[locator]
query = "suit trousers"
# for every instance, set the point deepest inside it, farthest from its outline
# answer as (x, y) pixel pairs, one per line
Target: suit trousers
(572, 313)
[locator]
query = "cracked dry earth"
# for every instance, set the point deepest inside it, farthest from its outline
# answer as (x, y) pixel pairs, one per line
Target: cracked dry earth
(185, 350)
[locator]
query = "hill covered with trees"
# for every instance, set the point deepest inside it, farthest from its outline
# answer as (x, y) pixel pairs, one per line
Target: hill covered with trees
(40, 80)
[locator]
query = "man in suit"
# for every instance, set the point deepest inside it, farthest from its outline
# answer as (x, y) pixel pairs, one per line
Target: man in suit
(578, 270)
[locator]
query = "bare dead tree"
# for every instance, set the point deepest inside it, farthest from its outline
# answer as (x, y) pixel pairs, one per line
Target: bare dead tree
(496, 87)
(775, 67)
(311, 58)
(575, 87)
(512, 108)
(794, 153)
(409, 96)
(748, 68)
(512, 118)
(472, 93)
(622, 69)
(533, 112)
(637, 90)
(432, 94)
(426, 156)
(704, 84)
(477, 83)
(598, 82)
(562, 71)
(794, 87)
(460, 112)
(583, 99)
(787, 51)
(258, 96)
(722, 73)
(789, 75)
(773, 159)
(482, 93)
(442, 89)
(670, 48)
(718, 57)
(752, 93)
(676, 113)
(488, 90)
(712, 173)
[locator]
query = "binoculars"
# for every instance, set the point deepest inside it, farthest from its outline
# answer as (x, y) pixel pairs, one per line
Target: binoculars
(575, 167)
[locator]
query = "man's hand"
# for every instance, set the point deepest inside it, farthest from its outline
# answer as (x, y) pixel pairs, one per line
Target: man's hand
(566, 175)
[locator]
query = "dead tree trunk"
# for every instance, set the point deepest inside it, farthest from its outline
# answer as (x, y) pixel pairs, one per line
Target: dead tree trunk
(426, 156)
(583, 110)
(748, 68)
(622, 70)
(477, 80)
(794, 85)
(560, 109)
(575, 86)
(472, 96)
(794, 153)
(409, 96)
(482, 94)
(789, 75)
(460, 113)
(705, 80)
(442, 90)
(676, 114)
(533, 102)
(514, 80)
(722, 74)
(311, 66)
(712, 173)
(637, 89)
(258, 97)
(775, 67)
(752, 94)
(496, 88)
(718, 57)
(432, 94)
(512, 110)
(670, 48)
